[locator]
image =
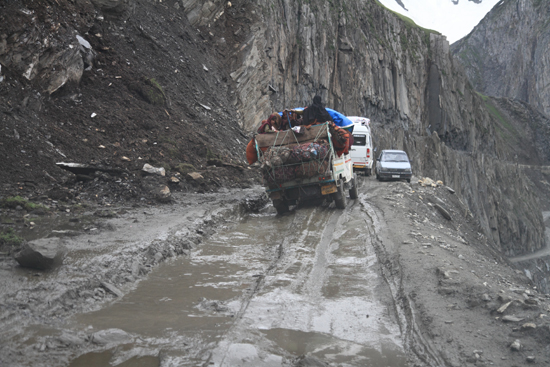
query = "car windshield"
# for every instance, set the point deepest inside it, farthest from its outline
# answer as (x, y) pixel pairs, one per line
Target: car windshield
(395, 157)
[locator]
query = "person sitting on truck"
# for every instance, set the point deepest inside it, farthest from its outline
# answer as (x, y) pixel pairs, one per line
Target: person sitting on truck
(316, 112)
(273, 124)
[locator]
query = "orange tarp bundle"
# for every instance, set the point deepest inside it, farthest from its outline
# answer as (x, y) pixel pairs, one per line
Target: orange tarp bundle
(251, 154)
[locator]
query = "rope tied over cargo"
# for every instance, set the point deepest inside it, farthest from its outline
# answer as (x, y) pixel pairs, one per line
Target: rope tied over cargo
(293, 155)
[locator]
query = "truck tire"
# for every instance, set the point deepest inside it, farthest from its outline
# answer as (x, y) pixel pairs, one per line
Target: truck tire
(353, 194)
(368, 172)
(280, 205)
(340, 198)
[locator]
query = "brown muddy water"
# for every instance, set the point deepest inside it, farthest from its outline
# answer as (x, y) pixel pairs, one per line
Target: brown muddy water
(260, 292)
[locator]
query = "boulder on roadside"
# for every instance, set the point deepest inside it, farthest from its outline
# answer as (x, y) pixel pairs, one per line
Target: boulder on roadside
(512, 318)
(155, 188)
(426, 181)
(443, 211)
(70, 340)
(153, 170)
(194, 176)
(41, 254)
(111, 288)
(516, 345)
(164, 194)
(309, 361)
(111, 336)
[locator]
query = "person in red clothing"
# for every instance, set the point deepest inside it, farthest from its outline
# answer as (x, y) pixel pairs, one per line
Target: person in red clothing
(273, 123)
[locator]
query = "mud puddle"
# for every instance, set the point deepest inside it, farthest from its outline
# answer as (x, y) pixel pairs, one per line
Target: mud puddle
(263, 291)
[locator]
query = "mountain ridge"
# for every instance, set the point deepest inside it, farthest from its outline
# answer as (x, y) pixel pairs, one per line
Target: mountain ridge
(506, 55)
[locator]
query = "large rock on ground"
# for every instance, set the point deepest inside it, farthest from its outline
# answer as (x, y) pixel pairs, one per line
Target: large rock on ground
(111, 336)
(42, 254)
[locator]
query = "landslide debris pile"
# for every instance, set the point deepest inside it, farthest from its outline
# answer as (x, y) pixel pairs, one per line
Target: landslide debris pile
(113, 88)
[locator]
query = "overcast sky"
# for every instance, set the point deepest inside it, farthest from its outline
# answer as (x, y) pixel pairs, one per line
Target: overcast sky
(453, 21)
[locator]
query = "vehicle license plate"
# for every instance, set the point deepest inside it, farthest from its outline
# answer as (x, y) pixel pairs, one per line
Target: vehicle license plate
(395, 176)
(328, 189)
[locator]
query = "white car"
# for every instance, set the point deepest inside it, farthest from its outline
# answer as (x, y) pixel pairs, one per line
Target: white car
(393, 165)
(361, 152)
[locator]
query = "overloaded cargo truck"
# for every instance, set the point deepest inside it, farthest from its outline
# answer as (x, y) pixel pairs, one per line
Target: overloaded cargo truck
(302, 163)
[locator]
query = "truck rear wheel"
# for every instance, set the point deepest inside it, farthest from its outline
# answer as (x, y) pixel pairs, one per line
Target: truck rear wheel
(340, 196)
(353, 194)
(280, 205)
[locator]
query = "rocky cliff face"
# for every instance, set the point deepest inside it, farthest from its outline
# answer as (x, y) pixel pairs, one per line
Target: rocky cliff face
(508, 53)
(364, 60)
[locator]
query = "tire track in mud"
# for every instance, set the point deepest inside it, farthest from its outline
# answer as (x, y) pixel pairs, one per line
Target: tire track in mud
(319, 290)
(282, 262)
(392, 274)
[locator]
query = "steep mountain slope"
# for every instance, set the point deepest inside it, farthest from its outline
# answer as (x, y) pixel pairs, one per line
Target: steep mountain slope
(508, 53)
(115, 84)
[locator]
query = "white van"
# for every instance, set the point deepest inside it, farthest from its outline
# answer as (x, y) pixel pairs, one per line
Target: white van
(361, 151)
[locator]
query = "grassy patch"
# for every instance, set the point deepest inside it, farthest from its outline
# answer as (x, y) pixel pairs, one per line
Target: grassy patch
(150, 90)
(185, 168)
(13, 202)
(483, 96)
(408, 21)
(155, 94)
(80, 207)
(210, 155)
(9, 238)
(499, 117)
(503, 126)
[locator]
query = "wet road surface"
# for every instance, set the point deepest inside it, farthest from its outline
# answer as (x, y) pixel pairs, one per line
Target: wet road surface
(542, 252)
(262, 292)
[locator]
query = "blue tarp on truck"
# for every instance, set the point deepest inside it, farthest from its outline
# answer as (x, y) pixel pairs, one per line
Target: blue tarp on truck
(338, 118)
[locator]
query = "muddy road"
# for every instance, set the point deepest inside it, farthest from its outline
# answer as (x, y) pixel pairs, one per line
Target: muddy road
(266, 290)
(389, 281)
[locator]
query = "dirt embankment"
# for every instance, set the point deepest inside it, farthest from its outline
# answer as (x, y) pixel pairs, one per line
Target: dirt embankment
(466, 304)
